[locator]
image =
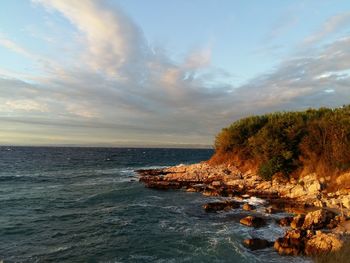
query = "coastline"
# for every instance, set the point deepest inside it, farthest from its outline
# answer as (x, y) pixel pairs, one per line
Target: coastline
(319, 221)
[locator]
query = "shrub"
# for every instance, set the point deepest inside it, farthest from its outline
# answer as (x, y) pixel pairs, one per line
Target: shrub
(286, 141)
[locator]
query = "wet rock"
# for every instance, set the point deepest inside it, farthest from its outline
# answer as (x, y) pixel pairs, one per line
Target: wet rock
(152, 172)
(272, 210)
(248, 207)
(256, 243)
(318, 219)
(297, 221)
(219, 206)
(253, 221)
(291, 244)
(322, 243)
(163, 185)
(285, 221)
(211, 192)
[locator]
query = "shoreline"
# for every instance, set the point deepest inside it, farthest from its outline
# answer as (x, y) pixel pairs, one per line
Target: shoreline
(321, 221)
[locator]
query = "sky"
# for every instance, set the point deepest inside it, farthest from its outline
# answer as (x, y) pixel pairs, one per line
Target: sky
(164, 73)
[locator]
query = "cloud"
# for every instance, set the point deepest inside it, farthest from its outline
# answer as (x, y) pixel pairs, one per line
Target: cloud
(122, 88)
(26, 105)
(331, 26)
(112, 39)
(11, 45)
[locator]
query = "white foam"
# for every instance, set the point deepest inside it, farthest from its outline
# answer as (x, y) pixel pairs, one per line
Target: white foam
(256, 201)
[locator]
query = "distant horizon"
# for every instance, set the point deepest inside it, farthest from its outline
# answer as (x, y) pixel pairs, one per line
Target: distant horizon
(146, 146)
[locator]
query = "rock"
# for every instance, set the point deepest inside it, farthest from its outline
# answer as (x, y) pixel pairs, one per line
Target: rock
(285, 221)
(219, 206)
(211, 192)
(314, 188)
(346, 201)
(248, 207)
(191, 189)
(226, 171)
(297, 221)
(256, 243)
(318, 219)
(253, 221)
(163, 185)
(297, 191)
(216, 183)
(318, 203)
(322, 243)
(232, 182)
(152, 172)
(272, 210)
(291, 244)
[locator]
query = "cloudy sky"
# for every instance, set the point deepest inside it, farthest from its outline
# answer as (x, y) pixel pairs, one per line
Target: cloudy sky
(155, 72)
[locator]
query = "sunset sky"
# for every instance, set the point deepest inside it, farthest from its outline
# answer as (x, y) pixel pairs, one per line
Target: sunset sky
(155, 72)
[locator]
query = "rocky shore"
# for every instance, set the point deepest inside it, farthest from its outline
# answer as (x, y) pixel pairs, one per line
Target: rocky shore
(319, 220)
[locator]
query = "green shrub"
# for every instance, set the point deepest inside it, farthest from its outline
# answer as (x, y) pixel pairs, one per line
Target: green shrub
(284, 141)
(269, 168)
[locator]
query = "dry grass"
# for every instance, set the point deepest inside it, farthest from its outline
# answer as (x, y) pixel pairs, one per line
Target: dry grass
(341, 256)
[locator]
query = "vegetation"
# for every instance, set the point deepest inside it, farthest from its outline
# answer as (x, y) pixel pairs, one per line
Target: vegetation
(341, 256)
(284, 142)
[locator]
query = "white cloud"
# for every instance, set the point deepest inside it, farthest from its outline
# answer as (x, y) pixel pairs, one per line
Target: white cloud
(111, 37)
(25, 105)
(331, 26)
(122, 88)
(11, 45)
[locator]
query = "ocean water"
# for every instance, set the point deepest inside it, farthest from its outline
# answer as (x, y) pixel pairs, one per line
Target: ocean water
(86, 205)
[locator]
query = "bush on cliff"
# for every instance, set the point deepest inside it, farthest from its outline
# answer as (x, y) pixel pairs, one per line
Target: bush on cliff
(283, 142)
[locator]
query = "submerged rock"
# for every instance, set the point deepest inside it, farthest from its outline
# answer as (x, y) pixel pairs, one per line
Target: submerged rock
(253, 221)
(256, 243)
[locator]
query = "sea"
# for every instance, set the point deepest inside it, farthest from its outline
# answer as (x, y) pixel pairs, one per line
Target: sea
(66, 204)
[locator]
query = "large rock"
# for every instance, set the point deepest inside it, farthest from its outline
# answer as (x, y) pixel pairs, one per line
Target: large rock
(291, 244)
(322, 243)
(297, 191)
(219, 206)
(256, 243)
(253, 221)
(318, 219)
